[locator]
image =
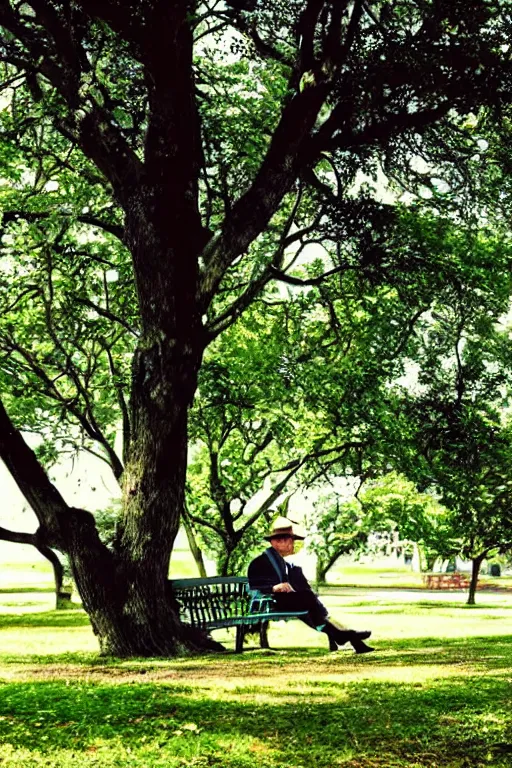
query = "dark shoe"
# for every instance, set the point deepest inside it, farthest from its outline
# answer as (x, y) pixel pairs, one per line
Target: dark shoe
(362, 648)
(344, 636)
(350, 636)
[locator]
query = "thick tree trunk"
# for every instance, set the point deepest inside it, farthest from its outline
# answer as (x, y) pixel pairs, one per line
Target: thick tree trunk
(154, 484)
(129, 613)
(128, 603)
(131, 610)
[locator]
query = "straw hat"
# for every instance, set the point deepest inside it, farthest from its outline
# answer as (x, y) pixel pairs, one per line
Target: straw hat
(281, 528)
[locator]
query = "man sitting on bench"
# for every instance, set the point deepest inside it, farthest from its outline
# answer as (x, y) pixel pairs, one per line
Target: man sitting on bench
(270, 573)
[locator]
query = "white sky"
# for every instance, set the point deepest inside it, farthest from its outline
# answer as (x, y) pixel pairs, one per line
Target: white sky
(86, 482)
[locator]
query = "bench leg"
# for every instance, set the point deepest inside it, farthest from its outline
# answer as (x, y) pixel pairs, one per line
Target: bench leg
(264, 634)
(240, 633)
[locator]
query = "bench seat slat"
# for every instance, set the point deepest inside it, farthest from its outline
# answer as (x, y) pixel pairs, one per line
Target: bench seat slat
(253, 618)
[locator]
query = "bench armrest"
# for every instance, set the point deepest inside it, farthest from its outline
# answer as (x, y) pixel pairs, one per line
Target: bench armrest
(260, 602)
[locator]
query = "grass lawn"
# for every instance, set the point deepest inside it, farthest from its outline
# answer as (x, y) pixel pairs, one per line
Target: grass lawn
(348, 573)
(438, 692)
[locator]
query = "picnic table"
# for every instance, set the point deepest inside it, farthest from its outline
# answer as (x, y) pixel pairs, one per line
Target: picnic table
(453, 580)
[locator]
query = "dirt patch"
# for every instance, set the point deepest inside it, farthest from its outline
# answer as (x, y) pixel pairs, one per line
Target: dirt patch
(229, 673)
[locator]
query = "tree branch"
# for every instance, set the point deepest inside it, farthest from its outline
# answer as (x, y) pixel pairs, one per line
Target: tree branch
(250, 30)
(34, 540)
(379, 132)
(281, 485)
(126, 17)
(284, 278)
(207, 524)
(32, 480)
(251, 214)
(87, 123)
(94, 221)
(109, 315)
(256, 286)
(64, 36)
(292, 146)
(121, 402)
(17, 537)
(86, 421)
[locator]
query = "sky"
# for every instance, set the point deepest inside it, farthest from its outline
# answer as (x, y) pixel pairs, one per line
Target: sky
(86, 482)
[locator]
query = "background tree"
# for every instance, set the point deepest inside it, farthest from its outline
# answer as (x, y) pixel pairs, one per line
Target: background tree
(296, 384)
(454, 433)
(393, 505)
(62, 595)
(205, 218)
(262, 418)
(470, 474)
(380, 511)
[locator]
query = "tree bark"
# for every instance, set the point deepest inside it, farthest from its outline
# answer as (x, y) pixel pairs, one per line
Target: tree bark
(475, 570)
(320, 573)
(124, 593)
(194, 546)
(62, 597)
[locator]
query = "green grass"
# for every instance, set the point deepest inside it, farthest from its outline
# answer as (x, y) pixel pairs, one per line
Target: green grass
(437, 693)
(347, 573)
(366, 723)
(182, 565)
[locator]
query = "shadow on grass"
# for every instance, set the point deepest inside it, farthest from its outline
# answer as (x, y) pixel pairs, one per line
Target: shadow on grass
(420, 658)
(458, 722)
(466, 656)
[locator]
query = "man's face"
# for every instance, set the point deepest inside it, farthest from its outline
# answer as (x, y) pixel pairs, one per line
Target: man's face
(285, 546)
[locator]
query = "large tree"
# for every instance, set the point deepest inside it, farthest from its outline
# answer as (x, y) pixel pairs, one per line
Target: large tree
(208, 199)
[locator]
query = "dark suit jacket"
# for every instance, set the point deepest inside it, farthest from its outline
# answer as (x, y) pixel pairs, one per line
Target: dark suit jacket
(263, 576)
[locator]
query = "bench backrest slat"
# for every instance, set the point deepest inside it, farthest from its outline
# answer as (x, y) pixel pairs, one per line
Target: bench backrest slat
(212, 600)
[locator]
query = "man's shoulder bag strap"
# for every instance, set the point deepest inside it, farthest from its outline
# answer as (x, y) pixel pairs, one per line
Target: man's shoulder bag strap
(273, 557)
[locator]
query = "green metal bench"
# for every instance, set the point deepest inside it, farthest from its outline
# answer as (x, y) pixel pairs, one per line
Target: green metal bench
(227, 601)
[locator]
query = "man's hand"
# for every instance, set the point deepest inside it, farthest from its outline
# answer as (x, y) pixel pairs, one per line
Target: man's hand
(284, 587)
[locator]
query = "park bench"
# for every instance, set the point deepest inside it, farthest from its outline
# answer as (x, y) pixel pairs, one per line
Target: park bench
(227, 601)
(446, 580)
